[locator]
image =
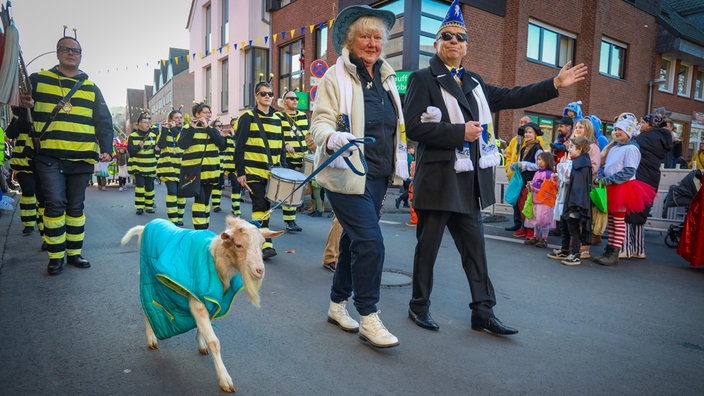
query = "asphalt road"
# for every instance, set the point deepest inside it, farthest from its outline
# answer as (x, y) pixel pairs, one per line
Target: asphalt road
(634, 329)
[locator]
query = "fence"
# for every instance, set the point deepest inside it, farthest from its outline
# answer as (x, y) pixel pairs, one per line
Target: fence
(655, 222)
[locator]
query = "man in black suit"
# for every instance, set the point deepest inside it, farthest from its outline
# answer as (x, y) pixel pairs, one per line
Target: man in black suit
(448, 112)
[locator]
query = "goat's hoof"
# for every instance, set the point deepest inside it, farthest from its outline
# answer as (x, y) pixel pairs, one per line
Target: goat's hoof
(203, 351)
(226, 384)
(152, 345)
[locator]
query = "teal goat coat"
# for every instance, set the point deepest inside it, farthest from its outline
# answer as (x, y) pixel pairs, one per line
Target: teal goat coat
(176, 263)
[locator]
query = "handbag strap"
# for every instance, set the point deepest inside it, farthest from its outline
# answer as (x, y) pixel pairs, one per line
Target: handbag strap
(262, 133)
(59, 105)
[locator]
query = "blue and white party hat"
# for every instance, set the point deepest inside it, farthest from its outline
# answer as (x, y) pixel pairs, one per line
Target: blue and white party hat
(454, 17)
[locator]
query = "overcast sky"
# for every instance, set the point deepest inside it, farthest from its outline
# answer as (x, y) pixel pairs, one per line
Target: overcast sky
(118, 37)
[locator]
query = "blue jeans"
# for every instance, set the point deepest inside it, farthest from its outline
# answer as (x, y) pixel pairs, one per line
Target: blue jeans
(361, 256)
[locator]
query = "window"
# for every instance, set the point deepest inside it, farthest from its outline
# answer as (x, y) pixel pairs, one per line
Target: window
(549, 45)
(224, 83)
(208, 29)
(225, 23)
(666, 72)
(699, 85)
(208, 85)
(684, 79)
(321, 41)
(431, 15)
(394, 44)
(612, 58)
(291, 67)
(256, 68)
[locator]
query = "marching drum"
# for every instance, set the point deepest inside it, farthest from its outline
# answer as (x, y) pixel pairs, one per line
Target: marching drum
(282, 182)
(308, 164)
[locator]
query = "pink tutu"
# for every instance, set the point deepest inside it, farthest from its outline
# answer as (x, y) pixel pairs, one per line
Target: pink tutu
(631, 196)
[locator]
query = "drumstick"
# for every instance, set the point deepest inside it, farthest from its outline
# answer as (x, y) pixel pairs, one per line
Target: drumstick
(249, 189)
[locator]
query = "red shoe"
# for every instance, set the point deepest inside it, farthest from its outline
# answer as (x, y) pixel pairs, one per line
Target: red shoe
(520, 233)
(530, 234)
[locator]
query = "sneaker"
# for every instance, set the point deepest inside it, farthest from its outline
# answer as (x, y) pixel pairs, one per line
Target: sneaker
(28, 230)
(121, 189)
(291, 226)
(268, 253)
(330, 266)
(140, 212)
(374, 332)
(542, 243)
(530, 233)
(531, 241)
(585, 255)
(150, 210)
(411, 224)
(572, 259)
(623, 255)
(520, 233)
(639, 256)
(558, 254)
(338, 315)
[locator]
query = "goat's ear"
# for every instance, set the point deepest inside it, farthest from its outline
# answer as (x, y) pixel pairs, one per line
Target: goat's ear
(224, 236)
(270, 234)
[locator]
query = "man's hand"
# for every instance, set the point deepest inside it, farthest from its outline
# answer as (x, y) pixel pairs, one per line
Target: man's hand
(105, 157)
(472, 131)
(570, 75)
(26, 100)
(290, 149)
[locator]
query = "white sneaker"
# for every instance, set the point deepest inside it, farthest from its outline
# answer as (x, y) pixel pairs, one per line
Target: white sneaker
(338, 315)
(374, 332)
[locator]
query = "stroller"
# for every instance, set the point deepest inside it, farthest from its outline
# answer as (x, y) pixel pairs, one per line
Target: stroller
(679, 196)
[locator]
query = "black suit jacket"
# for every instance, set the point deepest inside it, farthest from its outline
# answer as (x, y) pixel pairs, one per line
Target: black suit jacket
(436, 184)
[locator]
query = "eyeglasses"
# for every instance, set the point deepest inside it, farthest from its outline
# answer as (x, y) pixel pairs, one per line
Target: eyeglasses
(66, 50)
(292, 97)
(218, 126)
(263, 94)
(447, 36)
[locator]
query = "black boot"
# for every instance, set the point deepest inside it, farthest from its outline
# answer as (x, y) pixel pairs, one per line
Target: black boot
(56, 266)
(610, 256)
(78, 261)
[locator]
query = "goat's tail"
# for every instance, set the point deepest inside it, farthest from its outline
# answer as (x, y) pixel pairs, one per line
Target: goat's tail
(137, 230)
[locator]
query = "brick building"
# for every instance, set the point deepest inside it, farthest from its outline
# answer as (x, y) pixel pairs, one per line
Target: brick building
(173, 86)
(516, 42)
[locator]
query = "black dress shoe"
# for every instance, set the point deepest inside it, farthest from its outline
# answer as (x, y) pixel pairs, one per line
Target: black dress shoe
(292, 226)
(492, 325)
(217, 209)
(150, 210)
(27, 230)
(179, 223)
(515, 227)
(78, 261)
(56, 266)
(44, 247)
(423, 320)
(140, 211)
(268, 253)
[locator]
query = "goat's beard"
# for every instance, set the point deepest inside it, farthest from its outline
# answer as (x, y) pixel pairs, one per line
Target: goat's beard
(251, 286)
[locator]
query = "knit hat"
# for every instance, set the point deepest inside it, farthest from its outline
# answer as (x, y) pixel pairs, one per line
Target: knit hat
(627, 126)
(454, 17)
(349, 15)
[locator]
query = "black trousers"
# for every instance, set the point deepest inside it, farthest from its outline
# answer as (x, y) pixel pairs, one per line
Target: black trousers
(468, 233)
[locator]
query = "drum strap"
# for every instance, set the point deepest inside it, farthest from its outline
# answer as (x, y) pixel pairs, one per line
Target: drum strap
(262, 133)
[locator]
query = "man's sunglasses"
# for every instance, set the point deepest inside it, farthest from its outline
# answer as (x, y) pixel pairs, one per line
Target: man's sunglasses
(263, 94)
(66, 50)
(447, 36)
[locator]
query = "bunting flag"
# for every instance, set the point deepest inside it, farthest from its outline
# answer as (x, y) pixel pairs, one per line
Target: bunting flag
(242, 45)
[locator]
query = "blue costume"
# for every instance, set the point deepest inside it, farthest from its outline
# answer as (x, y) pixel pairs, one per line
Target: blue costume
(176, 263)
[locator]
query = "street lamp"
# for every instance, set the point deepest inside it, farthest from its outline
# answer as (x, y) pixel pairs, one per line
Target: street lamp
(651, 84)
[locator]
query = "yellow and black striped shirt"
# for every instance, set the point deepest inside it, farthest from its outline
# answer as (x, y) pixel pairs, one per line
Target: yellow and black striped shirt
(202, 146)
(20, 133)
(142, 160)
(251, 158)
(168, 167)
(227, 156)
(295, 129)
(79, 127)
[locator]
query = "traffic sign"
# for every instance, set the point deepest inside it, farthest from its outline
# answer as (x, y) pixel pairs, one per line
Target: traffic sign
(318, 68)
(313, 92)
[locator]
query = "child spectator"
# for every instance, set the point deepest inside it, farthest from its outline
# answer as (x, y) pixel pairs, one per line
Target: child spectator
(624, 193)
(121, 149)
(542, 213)
(527, 157)
(577, 209)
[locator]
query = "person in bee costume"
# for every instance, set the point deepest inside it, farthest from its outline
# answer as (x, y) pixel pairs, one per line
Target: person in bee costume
(141, 144)
(168, 167)
(73, 129)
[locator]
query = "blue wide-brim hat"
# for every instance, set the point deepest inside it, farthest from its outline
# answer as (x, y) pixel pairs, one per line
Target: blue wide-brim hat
(349, 15)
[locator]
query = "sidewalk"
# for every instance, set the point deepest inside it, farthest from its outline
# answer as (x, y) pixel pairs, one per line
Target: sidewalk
(6, 219)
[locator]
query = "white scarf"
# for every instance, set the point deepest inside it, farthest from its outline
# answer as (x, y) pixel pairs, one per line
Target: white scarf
(344, 83)
(488, 150)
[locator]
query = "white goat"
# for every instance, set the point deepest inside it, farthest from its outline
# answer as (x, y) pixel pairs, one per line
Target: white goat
(171, 258)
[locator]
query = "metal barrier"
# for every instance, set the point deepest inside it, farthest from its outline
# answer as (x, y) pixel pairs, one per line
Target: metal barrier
(655, 221)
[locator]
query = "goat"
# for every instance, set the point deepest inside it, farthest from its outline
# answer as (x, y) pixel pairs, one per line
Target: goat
(179, 273)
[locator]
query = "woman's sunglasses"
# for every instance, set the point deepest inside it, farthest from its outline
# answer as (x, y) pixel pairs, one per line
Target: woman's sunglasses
(447, 36)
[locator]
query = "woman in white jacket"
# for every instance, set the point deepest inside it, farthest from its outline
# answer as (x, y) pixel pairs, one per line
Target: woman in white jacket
(357, 98)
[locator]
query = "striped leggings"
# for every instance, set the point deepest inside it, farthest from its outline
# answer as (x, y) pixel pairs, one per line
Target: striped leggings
(617, 229)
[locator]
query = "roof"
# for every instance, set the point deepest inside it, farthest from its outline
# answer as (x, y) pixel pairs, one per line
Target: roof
(684, 18)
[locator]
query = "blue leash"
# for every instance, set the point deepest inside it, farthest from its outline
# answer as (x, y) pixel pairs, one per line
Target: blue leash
(355, 142)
